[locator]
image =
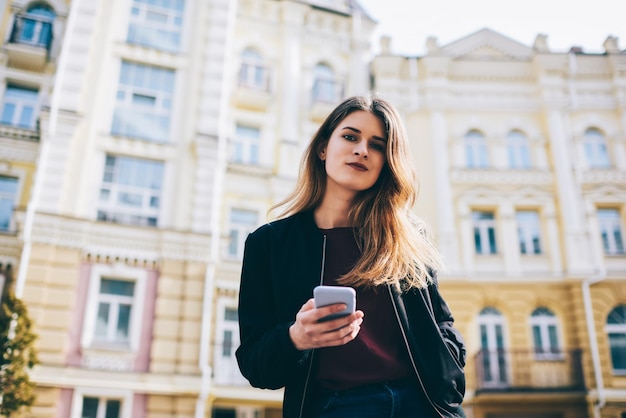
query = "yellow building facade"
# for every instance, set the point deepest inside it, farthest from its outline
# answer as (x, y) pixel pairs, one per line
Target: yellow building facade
(520, 151)
(161, 132)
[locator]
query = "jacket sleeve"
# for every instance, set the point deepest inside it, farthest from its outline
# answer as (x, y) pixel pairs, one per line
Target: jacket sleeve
(266, 356)
(445, 321)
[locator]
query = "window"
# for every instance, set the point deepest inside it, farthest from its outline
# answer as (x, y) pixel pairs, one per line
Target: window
(115, 303)
(484, 232)
(8, 192)
(476, 150)
(156, 24)
(611, 231)
(326, 88)
(529, 231)
(34, 27)
(595, 149)
(144, 102)
(114, 309)
(227, 331)
(19, 107)
(253, 73)
(101, 408)
(616, 330)
(242, 222)
(131, 191)
(544, 327)
(493, 365)
(245, 145)
(518, 150)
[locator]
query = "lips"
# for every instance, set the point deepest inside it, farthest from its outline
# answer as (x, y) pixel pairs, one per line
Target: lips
(358, 166)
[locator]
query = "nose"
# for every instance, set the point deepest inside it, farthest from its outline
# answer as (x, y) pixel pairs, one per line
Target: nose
(360, 149)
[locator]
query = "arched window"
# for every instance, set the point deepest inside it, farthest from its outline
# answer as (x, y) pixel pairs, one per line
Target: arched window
(35, 26)
(476, 150)
(326, 88)
(616, 331)
(493, 362)
(595, 149)
(253, 72)
(544, 325)
(518, 149)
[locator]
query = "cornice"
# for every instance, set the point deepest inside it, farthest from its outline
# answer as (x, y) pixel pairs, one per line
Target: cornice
(121, 242)
(603, 177)
(498, 177)
(18, 150)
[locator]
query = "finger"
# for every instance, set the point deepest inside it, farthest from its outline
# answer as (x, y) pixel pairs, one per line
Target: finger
(325, 311)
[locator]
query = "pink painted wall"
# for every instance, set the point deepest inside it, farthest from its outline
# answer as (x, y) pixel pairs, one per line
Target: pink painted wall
(74, 351)
(64, 407)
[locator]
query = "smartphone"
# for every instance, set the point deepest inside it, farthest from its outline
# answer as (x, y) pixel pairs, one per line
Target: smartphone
(329, 295)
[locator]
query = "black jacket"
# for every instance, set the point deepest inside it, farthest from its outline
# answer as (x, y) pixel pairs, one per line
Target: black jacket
(281, 266)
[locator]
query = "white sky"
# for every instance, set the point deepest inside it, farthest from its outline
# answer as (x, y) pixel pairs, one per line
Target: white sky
(585, 23)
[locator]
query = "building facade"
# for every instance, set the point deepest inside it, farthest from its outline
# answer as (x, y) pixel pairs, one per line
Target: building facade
(142, 140)
(521, 155)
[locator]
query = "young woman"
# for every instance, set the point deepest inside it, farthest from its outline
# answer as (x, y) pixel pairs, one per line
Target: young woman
(349, 222)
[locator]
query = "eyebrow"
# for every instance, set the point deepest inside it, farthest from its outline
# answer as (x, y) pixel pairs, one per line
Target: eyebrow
(358, 132)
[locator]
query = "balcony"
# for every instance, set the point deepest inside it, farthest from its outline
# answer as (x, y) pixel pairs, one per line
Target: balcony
(29, 43)
(505, 371)
(253, 90)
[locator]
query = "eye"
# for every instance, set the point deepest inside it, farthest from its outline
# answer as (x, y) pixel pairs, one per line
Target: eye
(377, 146)
(350, 137)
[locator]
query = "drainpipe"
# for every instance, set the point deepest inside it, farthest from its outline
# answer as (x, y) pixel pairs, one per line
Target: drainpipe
(593, 340)
(44, 149)
(216, 206)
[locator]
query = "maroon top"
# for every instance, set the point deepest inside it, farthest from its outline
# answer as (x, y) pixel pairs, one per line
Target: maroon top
(378, 352)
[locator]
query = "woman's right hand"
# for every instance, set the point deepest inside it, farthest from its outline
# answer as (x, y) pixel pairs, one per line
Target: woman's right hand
(307, 332)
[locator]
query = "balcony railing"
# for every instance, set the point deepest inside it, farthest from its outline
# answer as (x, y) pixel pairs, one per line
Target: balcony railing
(527, 370)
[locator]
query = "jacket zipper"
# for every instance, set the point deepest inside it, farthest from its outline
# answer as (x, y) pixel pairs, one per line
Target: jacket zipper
(408, 348)
(308, 373)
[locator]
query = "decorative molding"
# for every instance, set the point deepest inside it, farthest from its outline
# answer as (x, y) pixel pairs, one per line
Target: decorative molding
(250, 170)
(507, 177)
(604, 177)
(121, 242)
(17, 149)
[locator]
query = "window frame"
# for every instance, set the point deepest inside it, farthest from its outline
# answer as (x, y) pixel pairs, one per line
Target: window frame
(596, 149)
(225, 366)
(13, 199)
(157, 106)
(242, 231)
(518, 150)
(111, 208)
(485, 227)
(612, 245)
(20, 105)
(527, 229)
(544, 320)
(476, 150)
(120, 272)
(327, 88)
(245, 148)
(125, 396)
(253, 72)
(141, 22)
(618, 329)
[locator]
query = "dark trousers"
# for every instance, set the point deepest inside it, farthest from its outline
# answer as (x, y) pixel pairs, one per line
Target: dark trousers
(395, 399)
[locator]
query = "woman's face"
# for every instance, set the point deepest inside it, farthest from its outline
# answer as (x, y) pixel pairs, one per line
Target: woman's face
(355, 153)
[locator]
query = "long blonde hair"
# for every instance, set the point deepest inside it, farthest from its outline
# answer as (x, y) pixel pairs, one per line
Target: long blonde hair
(394, 244)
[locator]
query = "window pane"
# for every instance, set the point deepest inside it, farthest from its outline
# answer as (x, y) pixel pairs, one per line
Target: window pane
(113, 408)
(90, 408)
(554, 342)
(123, 323)
(8, 191)
(617, 343)
(537, 339)
(231, 314)
(117, 287)
(227, 344)
(102, 323)
(492, 241)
